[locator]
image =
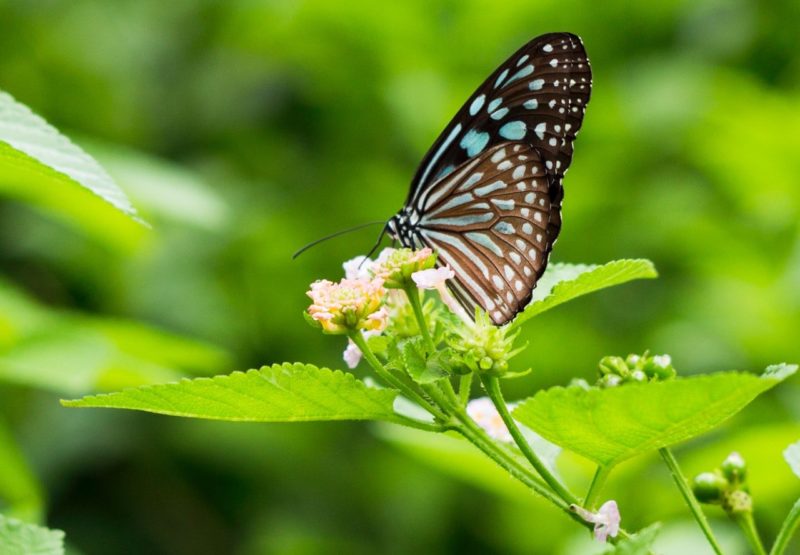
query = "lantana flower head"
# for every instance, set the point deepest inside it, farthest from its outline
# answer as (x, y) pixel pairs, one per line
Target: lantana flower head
(348, 306)
(396, 266)
(606, 520)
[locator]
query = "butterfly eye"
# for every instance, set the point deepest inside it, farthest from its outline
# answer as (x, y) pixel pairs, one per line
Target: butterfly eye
(487, 195)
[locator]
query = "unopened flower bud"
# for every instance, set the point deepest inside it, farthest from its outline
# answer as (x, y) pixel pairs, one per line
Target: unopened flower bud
(610, 380)
(613, 365)
(734, 468)
(710, 487)
(484, 346)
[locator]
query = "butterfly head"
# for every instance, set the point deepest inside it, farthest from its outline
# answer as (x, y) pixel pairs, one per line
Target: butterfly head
(400, 226)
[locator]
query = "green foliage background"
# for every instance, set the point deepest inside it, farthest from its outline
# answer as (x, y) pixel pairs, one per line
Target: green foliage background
(243, 129)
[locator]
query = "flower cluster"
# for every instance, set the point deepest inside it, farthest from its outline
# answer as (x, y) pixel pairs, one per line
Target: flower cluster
(725, 486)
(484, 347)
(348, 306)
(645, 368)
(397, 266)
(368, 296)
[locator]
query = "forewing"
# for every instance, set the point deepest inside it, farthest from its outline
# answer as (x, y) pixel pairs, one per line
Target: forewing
(488, 222)
(537, 96)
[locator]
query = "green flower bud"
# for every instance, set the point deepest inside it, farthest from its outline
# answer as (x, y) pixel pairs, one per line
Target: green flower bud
(484, 346)
(610, 380)
(710, 487)
(734, 468)
(613, 365)
(638, 376)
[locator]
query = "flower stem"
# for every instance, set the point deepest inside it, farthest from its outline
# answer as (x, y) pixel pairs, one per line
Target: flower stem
(413, 297)
(787, 529)
(688, 496)
(476, 435)
(464, 387)
(419, 424)
(748, 526)
(358, 338)
(492, 386)
(599, 480)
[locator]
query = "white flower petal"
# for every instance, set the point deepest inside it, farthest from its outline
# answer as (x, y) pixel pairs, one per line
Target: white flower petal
(432, 278)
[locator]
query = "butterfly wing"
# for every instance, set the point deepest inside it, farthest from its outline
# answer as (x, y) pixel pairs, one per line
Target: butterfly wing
(538, 96)
(487, 195)
(488, 222)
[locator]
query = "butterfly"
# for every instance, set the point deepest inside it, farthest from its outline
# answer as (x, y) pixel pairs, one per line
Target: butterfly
(487, 195)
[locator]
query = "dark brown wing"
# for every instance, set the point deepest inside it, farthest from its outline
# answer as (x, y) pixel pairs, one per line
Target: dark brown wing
(488, 222)
(537, 96)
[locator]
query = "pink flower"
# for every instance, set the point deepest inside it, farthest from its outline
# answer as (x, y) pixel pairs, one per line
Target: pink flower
(347, 306)
(485, 415)
(351, 355)
(606, 520)
(435, 278)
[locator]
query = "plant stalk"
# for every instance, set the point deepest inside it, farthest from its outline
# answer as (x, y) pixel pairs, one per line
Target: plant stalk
(413, 297)
(358, 338)
(492, 386)
(688, 496)
(748, 526)
(464, 387)
(788, 528)
(599, 480)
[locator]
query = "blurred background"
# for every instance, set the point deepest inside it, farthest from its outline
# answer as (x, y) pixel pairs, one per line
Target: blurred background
(243, 129)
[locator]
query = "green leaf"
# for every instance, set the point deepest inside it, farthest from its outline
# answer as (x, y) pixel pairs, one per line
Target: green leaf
(20, 492)
(614, 424)
(40, 166)
(792, 456)
(423, 369)
(20, 538)
(73, 353)
(278, 393)
(638, 544)
(162, 190)
(564, 282)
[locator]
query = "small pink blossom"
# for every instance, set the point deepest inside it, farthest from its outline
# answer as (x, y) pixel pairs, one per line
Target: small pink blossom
(351, 355)
(435, 278)
(606, 520)
(350, 305)
(485, 415)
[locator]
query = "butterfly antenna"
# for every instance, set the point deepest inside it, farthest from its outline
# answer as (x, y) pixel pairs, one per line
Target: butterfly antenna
(332, 235)
(374, 247)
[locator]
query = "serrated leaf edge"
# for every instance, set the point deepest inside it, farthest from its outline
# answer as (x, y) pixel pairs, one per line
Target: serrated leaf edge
(95, 401)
